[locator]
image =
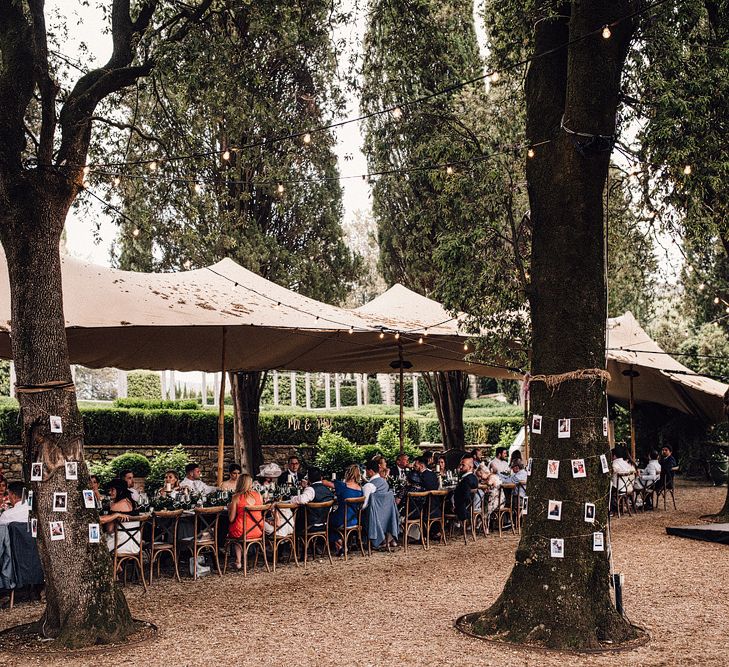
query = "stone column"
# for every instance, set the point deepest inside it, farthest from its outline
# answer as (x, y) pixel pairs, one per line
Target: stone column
(337, 392)
(472, 386)
(307, 389)
(358, 385)
(416, 397)
(163, 383)
(327, 391)
(204, 387)
(216, 389)
(365, 389)
(171, 386)
(121, 383)
(275, 388)
(13, 379)
(293, 389)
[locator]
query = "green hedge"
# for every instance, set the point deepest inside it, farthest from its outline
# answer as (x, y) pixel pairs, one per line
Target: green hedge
(157, 404)
(144, 384)
(478, 430)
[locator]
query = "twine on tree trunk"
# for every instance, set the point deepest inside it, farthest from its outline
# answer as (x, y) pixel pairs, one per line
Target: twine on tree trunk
(554, 381)
(53, 385)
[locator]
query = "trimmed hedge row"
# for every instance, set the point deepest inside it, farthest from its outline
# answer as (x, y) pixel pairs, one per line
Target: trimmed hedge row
(118, 426)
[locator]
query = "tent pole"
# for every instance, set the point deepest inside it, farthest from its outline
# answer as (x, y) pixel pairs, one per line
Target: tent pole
(632, 423)
(221, 416)
(402, 397)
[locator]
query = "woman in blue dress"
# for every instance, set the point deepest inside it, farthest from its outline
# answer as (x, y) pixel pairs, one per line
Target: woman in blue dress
(349, 488)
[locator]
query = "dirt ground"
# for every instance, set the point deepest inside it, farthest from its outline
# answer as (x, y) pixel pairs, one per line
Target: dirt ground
(399, 609)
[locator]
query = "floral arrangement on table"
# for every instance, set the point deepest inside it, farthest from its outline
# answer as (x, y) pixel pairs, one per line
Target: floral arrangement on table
(185, 501)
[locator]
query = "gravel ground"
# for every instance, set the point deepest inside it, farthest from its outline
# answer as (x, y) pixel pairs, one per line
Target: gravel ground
(399, 609)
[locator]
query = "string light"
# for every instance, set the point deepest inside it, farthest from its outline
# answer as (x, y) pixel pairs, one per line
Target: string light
(530, 153)
(351, 330)
(117, 180)
(397, 113)
(716, 299)
(197, 187)
(382, 335)
(449, 170)
(226, 155)
(397, 335)
(465, 347)
(420, 340)
(702, 287)
(494, 77)
(606, 33)
(280, 188)
(687, 170)
(136, 231)
(307, 138)
(86, 184)
(153, 165)
(86, 170)
(187, 264)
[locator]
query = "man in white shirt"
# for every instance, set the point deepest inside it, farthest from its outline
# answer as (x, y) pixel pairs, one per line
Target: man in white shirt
(369, 488)
(19, 509)
(500, 463)
(128, 477)
(621, 467)
(518, 477)
(193, 482)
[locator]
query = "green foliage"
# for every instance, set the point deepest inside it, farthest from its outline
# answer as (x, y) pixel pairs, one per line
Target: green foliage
(4, 377)
(103, 472)
(388, 438)
(707, 351)
(156, 404)
(143, 384)
(162, 461)
(137, 463)
(334, 453)
(506, 436)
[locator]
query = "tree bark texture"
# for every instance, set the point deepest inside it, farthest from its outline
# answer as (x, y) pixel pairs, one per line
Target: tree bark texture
(246, 390)
(566, 602)
(449, 390)
(83, 604)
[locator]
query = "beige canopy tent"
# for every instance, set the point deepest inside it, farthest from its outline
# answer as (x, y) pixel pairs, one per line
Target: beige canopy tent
(176, 321)
(660, 378)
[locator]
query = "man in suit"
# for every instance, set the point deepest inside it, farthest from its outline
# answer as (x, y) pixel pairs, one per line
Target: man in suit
(292, 474)
(462, 492)
(422, 479)
(401, 467)
(315, 492)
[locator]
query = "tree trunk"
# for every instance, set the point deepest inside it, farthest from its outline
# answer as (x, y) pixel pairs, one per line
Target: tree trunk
(83, 604)
(449, 390)
(246, 390)
(566, 602)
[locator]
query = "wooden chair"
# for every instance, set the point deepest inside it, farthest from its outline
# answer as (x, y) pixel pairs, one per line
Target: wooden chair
(647, 491)
(164, 539)
(665, 486)
(354, 529)
(504, 510)
(468, 523)
(416, 503)
(285, 522)
(205, 536)
(129, 546)
(624, 494)
(314, 530)
(254, 518)
(436, 514)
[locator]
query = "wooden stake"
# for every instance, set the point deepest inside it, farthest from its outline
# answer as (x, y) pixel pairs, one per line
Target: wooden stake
(221, 416)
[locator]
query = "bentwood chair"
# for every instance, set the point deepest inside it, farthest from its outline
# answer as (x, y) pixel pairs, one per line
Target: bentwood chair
(164, 540)
(416, 504)
(284, 520)
(504, 510)
(204, 537)
(665, 486)
(254, 535)
(355, 528)
(436, 514)
(129, 546)
(468, 523)
(624, 494)
(316, 527)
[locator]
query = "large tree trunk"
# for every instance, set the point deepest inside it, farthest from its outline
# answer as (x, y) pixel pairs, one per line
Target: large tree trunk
(246, 390)
(449, 390)
(566, 602)
(83, 604)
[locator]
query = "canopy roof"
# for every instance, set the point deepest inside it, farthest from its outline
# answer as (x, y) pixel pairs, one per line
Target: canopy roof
(130, 320)
(661, 378)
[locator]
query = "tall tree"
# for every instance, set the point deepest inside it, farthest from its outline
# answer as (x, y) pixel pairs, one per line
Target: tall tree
(45, 133)
(411, 49)
(572, 94)
(272, 206)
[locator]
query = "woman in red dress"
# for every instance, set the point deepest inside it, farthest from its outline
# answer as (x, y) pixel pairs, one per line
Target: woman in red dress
(251, 524)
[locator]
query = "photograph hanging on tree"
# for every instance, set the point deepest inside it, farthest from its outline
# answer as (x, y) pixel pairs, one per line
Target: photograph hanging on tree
(524, 505)
(605, 426)
(57, 531)
(34, 527)
(71, 470)
(552, 469)
(529, 466)
(590, 512)
(60, 501)
(537, 424)
(554, 510)
(578, 468)
(89, 500)
(604, 463)
(564, 427)
(94, 533)
(598, 542)
(36, 472)
(30, 500)
(56, 424)
(556, 547)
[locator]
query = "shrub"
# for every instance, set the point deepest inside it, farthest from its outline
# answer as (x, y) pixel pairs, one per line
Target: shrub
(506, 436)
(173, 459)
(157, 404)
(334, 453)
(103, 472)
(388, 439)
(144, 384)
(137, 463)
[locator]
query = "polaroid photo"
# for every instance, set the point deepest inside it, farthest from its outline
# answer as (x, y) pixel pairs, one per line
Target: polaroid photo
(604, 463)
(552, 469)
(30, 500)
(71, 469)
(554, 510)
(598, 542)
(57, 531)
(60, 501)
(36, 472)
(578, 468)
(537, 424)
(34, 527)
(605, 426)
(89, 499)
(564, 426)
(94, 533)
(590, 512)
(529, 466)
(556, 547)
(524, 505)
(56, 424)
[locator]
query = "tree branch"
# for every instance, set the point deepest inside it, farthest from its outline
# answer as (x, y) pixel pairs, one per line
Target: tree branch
(132, 128)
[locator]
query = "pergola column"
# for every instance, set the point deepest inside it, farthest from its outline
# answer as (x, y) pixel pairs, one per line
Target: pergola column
(416, 397)
(275, 388)
(337, 391)
(327, 391)
(293, 389)
(307, 389)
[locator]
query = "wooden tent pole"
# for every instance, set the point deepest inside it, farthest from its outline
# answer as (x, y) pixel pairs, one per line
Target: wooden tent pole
(402, 397)
(221, 416)
(632, 423)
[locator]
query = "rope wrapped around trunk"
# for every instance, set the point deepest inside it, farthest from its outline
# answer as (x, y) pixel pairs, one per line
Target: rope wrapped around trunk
(554, 381)
(54, 385)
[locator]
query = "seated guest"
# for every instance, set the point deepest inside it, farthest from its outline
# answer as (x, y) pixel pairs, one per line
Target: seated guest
(122, 505)
(193, 482)
(518, 476)
(441, 465)
(128, 477)
(422, 479)
(462, 493)
(495, 497)
(17, 507)
(94, 481)
(349, 488)
(241, 524)
(268, 475)
(621, 467)
(646, 481)
(515, 456)
(399, 469)
(292, 474)
(499, 463)
(171, 484)
(234, 471)
(314, 492)
(477, 454)
(4, 502)
(668, 463)
(383, 519)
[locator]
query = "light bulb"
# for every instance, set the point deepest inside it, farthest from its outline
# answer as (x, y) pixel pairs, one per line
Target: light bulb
(382, 334)
(494, 77)
(465, 347)
(351, 330)
(187, 264)
(307, 138)
(606, 33)
(727, 309)
(449, 170)
(226, 155)
(86, 170)
(397, 335)
(716, 299)
(153, 165)
(702, 287)
(135, 232)
(420, 340)
(280, 188)
(198, 188)
(530, 152)
(117, 180)
(397, 113)
(86, 184)
(687, 170)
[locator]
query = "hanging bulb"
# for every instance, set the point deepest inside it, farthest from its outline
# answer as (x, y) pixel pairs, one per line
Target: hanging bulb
(425, 332)
(153, 165)
(116, 181)
(716, 299)
(364, 177)
(449, 170)
(465, 347)
(494, 77)
(135, 232)
(397, 335)
(87, 169)
(420, 340)
(687, 170)
(226, 155)
(86, 184)
(351, 330)
(187, 264)
(397, 113)
(530, 152)
(702, 287)
(382, 335)
(307, 138)
(606, 32)
(280, 188)
(198, 188)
